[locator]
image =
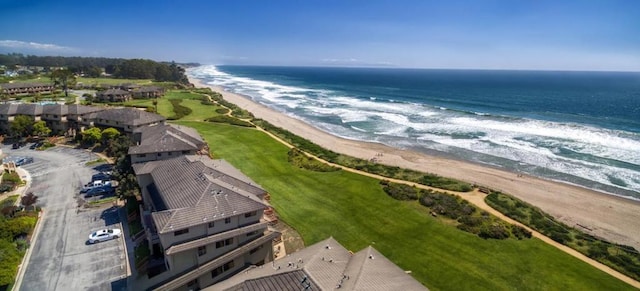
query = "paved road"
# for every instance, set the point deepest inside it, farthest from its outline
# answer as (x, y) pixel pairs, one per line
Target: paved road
(61, 258)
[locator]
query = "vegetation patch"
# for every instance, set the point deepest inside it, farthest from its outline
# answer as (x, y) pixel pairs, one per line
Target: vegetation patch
(104, 200)
(10, 180)
(465, 215)
(96, 161)
(365, 165)
(300, 160)
(229, 120)
(624, 259)
(179, 110)
(16, 226)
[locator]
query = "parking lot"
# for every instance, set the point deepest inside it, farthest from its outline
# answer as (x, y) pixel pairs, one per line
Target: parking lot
(61, 258)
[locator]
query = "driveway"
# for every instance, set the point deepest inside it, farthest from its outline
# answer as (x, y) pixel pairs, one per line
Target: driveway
(61, 258)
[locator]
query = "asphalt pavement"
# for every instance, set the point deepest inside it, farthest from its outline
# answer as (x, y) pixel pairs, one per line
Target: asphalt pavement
(61, 257)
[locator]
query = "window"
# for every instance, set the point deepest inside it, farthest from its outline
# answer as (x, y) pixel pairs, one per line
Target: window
(202, 250)
(227, 220)
(142, 155)
(182, 231)
(159, 154)
(223, 243)
(252, 213)
(170, 153)
(185, 152)
(219, 270)
(211, 224)
(251, 252)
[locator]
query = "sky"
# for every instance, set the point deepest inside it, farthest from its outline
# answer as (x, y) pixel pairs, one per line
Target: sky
(469, 34)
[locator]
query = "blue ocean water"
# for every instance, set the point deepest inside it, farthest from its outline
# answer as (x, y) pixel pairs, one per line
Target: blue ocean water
(577, 127)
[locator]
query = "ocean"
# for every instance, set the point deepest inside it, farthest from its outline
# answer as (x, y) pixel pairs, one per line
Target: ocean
(581, 128)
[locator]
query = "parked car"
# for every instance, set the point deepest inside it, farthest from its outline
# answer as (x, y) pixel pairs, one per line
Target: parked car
(95, 184)
(101, 176)
(104, 235)
(36, 145)
(97, 191)
(17, 145)
(24, 161)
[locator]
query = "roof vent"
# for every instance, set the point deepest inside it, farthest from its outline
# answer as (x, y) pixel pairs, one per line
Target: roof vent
(327, 247)
(371, 257)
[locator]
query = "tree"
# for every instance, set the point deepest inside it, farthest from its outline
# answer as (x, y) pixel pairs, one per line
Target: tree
(28, 200)
(37, 97)
(93, 72)
(91, 135)
(40, 129)
(65, 78)
(109, 134)
(88, 98)
(4, 96)
(22, 126)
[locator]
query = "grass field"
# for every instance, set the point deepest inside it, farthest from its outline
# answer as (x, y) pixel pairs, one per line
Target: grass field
(355, 210)
(199, 112)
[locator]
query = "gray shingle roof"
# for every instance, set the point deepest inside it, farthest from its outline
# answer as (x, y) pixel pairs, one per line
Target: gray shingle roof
(114, 92)
(29, 109)
(129, 116)
(328, 264)
(23, 85)
(165, 138)
(194, 193)
(289, 281)
(76, 109)
(56, 109)
(8, 109)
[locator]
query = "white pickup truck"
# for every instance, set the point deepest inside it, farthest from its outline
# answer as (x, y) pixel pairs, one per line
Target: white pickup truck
(95, 184)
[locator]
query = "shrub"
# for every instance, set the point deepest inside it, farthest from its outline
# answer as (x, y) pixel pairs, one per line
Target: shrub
(229, 120)
(179, 110)
(222, 111)
(401, 191)
(299, 159)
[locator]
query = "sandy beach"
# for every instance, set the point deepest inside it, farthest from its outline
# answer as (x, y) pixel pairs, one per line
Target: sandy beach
(613, 218)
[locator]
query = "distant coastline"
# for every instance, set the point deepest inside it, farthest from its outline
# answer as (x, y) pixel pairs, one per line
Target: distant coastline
(611, 217)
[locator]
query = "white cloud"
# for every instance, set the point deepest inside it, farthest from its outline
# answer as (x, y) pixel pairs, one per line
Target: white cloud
(350, 60)
(355, 62)
(16, 44)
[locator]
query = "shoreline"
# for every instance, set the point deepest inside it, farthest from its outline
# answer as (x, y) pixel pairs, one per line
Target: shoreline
(609, 216)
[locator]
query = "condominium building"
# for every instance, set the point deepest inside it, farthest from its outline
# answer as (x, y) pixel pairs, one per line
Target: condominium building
(202, 220)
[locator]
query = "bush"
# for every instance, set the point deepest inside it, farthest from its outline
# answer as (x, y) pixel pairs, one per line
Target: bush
(179, 110)
(401, 191)
(299, 159)
(229, 120)
(222, 111)
(495, 231)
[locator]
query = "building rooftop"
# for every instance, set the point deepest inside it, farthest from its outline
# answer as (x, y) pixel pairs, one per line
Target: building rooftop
(192, 190)
(55, 109)
(23, 85)
(129, 116)
(326, 265)
(166, 137)
(114, 92)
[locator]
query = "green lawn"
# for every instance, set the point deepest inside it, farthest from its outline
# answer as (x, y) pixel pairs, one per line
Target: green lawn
(354, 210)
